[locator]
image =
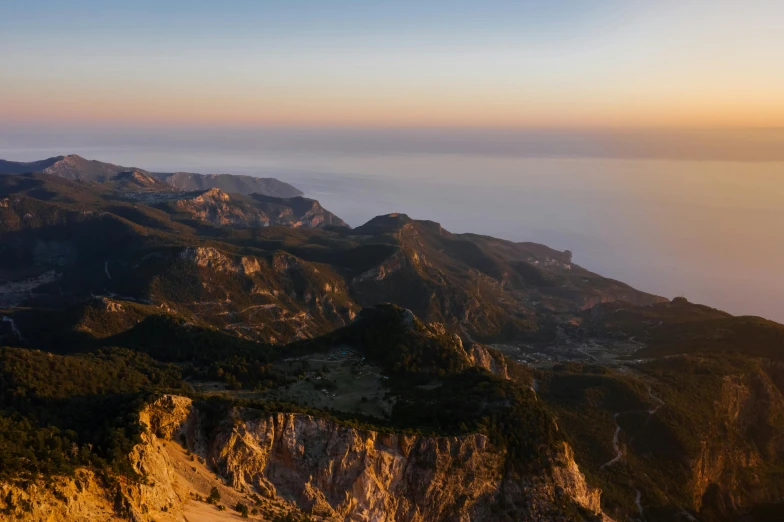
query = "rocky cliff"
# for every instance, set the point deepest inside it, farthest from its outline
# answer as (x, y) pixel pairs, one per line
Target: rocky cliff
(235, 210)
(295, 463)
(742, 448)
(344, 473)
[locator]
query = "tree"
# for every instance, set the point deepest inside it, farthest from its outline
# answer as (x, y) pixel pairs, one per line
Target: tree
(214, 497)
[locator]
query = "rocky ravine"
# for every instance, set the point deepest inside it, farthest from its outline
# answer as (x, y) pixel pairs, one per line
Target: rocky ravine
(299, 462)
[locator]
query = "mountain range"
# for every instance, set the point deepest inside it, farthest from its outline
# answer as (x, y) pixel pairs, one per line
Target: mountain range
(188, 347)
(76, 168)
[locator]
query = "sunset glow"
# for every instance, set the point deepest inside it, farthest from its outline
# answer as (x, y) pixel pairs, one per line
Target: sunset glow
(506, 64)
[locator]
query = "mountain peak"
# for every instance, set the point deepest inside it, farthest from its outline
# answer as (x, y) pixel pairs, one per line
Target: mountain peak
(391, 223)
(213, 194)
(384, 224)
(140, 178)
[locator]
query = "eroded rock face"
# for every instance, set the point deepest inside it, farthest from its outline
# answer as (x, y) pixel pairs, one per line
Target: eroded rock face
(343, 473)
(88, 498)
(275, 299)
(300, 462)
(745, 439)
(211, 258)
(216, 207)
(219, 208)
(492, 362)
(354, 474)
(79, 499)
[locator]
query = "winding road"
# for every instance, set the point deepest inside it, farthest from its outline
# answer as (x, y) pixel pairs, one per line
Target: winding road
(616, 444)
(619, 453)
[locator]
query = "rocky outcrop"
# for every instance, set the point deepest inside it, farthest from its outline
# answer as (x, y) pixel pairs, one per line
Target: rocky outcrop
(352, 474)
(218, 208)
(745, 442)
(345, 473)
(138, 180)
(297, 212)
(275, 299)
(301, 462)
(490, 360)
(214, 259)
(159, 496)
(82, 498)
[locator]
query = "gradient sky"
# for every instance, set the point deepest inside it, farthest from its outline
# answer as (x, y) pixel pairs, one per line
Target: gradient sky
(494, 63)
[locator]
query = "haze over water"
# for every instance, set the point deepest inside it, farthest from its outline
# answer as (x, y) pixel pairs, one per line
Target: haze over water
(707, 230)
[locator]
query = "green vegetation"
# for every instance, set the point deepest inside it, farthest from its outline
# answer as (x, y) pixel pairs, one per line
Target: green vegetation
(60, 412)
(660, 451)
(214, 496)
(679, 326)
(391, 337)
(584, 399)
(476, 401)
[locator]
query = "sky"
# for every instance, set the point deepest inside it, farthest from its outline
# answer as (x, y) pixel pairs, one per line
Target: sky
(549, 64)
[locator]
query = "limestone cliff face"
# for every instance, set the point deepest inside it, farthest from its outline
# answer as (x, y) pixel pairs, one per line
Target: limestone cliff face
(219, 208)
(216, 207)
(745, 441)
(208, 257)
(277, 299)
(491, 361)
(350, 474)
(297, 212)
(85, 497)
(79, 499)
(344, 473)
(307, 464)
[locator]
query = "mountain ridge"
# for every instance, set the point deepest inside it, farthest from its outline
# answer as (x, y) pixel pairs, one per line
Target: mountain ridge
(77, 168)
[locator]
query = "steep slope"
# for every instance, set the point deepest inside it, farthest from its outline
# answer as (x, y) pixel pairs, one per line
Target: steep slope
(76, 168)
(681, 327)
(346, 473)
(138, 180)
(488, 287)
(218, 208)
(297, 212)
(20, 167)
(682, 436)
(290, 464)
